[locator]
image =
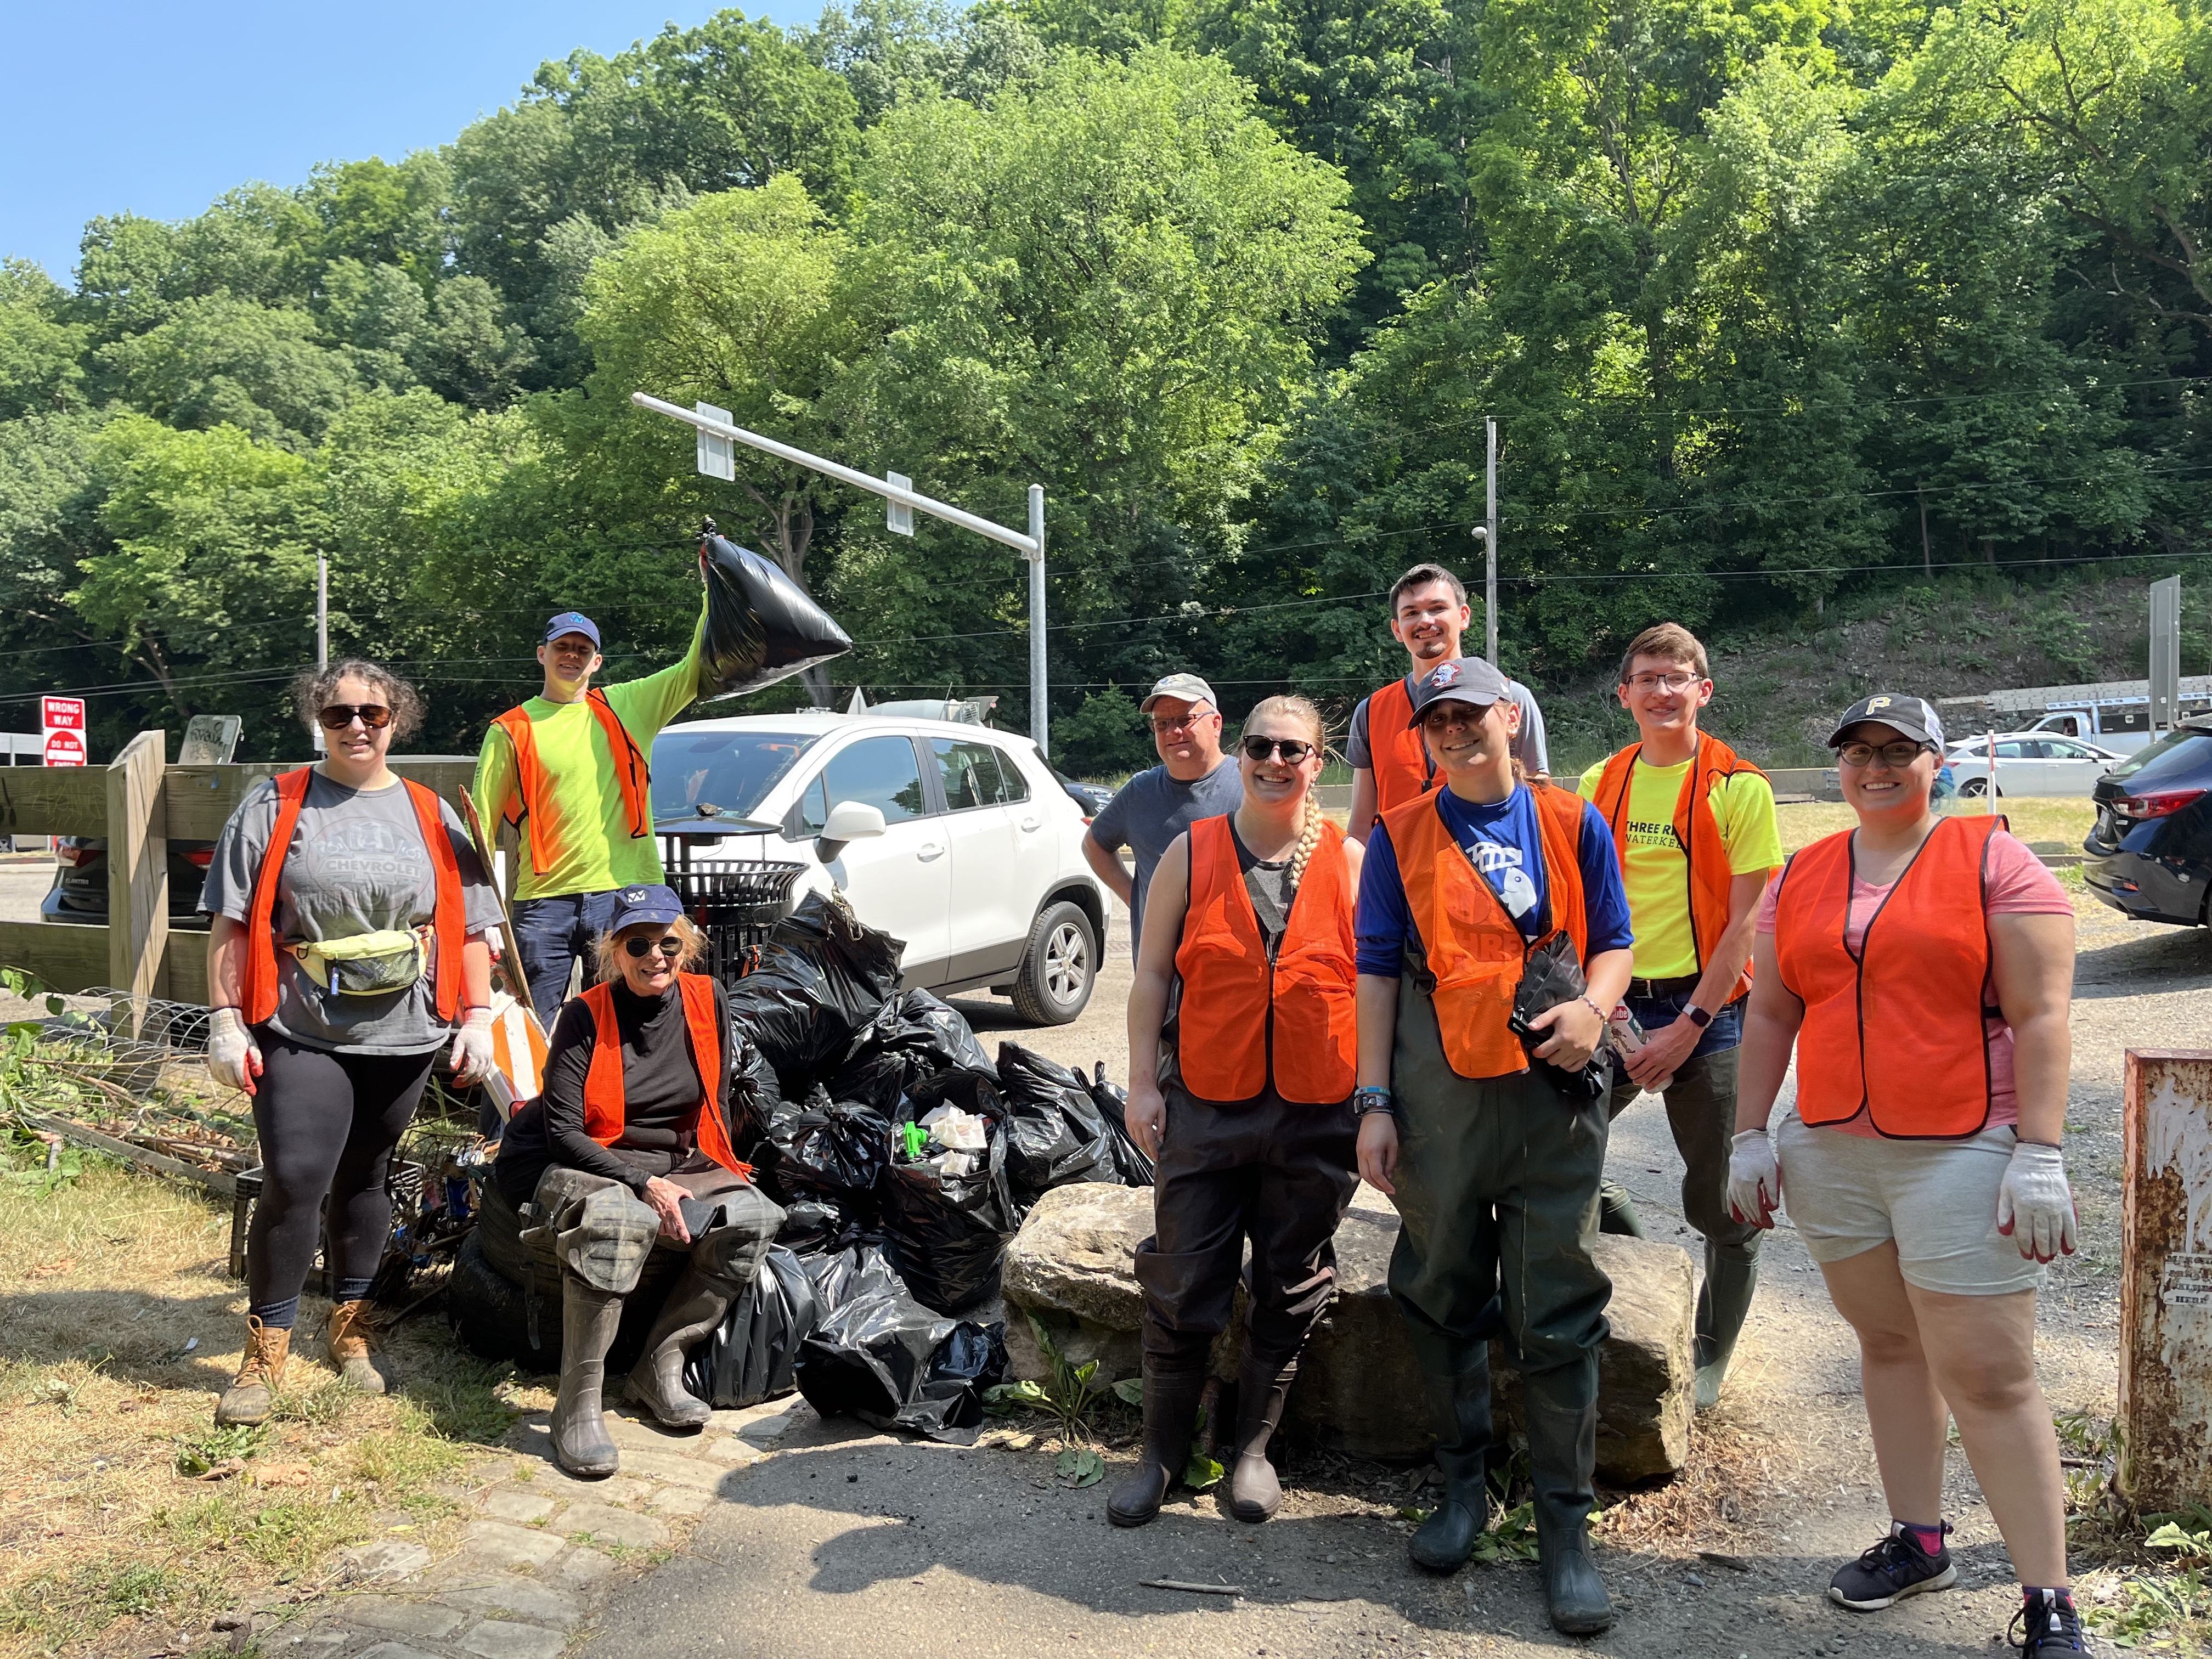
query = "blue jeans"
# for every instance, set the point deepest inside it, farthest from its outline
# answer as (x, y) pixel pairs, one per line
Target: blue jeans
(550, 934)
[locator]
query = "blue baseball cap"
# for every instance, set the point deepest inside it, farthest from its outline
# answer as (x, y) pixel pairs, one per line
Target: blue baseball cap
(572, 621)
(646, 903)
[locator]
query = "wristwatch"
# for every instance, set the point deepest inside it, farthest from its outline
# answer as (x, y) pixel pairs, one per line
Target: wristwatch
(1373, 1098)
(1697, 1016)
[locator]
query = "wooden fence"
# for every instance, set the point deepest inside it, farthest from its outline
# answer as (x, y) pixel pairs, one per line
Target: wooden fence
(141, 804)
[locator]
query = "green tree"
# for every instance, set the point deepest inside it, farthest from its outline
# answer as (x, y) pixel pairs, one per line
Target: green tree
(217, 360)
(40, 351)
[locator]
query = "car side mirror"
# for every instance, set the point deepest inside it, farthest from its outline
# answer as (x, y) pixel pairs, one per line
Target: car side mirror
(848, 820)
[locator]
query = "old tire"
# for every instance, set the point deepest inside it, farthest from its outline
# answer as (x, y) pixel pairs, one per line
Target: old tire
(1059, 968)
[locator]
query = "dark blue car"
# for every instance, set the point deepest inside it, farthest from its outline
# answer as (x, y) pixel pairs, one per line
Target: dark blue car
(2150, 852)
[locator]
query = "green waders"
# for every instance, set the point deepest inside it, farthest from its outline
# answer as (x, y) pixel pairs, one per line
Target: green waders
(1498, 1184)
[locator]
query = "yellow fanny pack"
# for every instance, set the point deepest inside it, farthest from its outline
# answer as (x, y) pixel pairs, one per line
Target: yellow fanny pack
(365, 964)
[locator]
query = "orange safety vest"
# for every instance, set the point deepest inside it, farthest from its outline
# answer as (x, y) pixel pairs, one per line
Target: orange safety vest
(604, 1113)
(1246, 1021)
(1394, 743)
(448, 923)
(1475, 951)
(1915, 985)
(1697, 831)
(632, 771)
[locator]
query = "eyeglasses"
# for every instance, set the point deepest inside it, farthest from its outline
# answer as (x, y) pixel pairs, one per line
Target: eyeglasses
(1166, 723)
(339, 715)
(669, 944)
(1668, 683)
(1292, 749)
(1895, 755)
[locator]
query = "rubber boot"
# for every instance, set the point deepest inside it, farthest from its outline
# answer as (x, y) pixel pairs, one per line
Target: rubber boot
(1616, 1210)
(252, 1394)
(1731, 1277)
(1171, 1400)
(1561, 1407)
(589, 1318)
(346, 1343)
(694, 1307)
(1254, 1493)
(1459, 1406)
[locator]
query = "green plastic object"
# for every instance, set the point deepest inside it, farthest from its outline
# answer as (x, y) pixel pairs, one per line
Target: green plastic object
(916, 1139)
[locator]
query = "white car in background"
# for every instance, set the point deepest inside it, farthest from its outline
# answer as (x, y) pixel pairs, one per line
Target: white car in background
(955, 839)
(2036, 762)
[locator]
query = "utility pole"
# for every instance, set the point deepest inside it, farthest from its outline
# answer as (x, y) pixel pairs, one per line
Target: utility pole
(1040, 706)
(322, 627)
(1490, 541)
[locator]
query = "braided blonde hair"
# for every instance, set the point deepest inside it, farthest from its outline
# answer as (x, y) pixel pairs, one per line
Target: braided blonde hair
(1302, 710)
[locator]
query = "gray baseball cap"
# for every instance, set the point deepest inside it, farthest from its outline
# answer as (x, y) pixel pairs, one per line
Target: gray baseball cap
(1463, 679)
(1908, 717)
(1187, 687)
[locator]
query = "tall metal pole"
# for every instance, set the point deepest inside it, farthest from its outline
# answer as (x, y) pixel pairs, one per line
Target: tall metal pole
(1490, 543)
(322, 626)
(1040, 718)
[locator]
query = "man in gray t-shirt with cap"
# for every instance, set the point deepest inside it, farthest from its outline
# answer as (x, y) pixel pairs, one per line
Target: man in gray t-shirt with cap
(1193, 780)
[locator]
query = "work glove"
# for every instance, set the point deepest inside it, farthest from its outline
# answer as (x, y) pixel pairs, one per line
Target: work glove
(471, 1058)
(2035, 1207)
(233, 1056)
(1754, 1188)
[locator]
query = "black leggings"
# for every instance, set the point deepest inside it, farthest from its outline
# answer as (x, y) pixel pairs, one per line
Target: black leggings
(327, 1124)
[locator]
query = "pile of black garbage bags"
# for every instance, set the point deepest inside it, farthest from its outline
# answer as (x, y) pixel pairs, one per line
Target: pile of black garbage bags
(905, 1159)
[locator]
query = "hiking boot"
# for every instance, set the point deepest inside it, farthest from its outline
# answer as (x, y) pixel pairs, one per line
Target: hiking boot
(1561, 1409)
(1171, 1400)
(589, 1318)
(2049, 1625)
(1459, 1408)
(346, 1340)
(694, 1309)
(1254, 1493)
(1895, 1568)
(261, 1374)
(1723, 1302)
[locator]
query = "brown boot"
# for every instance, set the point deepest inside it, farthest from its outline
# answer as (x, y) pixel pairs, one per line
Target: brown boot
(261, 1374)
(347, 1336)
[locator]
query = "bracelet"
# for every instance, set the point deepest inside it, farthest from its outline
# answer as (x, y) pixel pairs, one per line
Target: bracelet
(1600, 1013)
(1373, 1098)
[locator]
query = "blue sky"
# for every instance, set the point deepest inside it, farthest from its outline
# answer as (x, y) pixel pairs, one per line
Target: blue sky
(158, 106)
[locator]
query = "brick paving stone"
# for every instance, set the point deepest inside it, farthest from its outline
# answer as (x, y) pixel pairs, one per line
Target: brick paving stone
(678, 1471)
(404, 1618)
(611, 1489)
(583, 1565)
(680, 1500)
(765, 1424)
(386, 1560)
(517, 1503)
(629, 1431)
(391, 1651)
(501, 1639)
(729, 1451)
(612, 1526)
(505, 1546)
(531, 1598)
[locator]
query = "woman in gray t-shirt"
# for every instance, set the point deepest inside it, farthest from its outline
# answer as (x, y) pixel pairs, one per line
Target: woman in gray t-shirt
(335, 1045)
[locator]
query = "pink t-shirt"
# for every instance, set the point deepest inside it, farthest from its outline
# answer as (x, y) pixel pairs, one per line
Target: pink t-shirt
(2018, 885)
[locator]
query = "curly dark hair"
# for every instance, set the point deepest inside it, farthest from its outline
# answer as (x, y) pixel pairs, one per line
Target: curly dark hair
(312, 690)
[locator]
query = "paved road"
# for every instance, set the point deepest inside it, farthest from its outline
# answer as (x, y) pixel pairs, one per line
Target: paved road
(23, 882)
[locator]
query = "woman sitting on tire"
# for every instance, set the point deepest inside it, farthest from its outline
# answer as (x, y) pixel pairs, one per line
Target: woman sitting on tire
(347, 942)
(627, 1167)
(1922, 967)
(1247, 1109)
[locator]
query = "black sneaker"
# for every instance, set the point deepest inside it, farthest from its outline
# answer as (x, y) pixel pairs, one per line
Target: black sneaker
(2048, 1626)
(1895, 1567)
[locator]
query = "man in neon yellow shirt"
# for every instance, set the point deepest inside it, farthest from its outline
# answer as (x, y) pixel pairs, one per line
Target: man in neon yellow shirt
(1694, 827)
(572, 770)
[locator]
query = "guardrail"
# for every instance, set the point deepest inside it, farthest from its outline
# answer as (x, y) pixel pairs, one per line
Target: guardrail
(140, 803)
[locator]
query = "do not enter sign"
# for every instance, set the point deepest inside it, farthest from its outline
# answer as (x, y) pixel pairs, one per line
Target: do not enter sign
(62, 719)
(64, 747)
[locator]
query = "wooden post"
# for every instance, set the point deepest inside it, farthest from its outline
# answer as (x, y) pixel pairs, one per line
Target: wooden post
(137, 872)
(2165, 1280)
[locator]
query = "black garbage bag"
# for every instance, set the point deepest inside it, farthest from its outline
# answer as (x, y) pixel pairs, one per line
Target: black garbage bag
(947, 1234)
(755, 1097)
(837, 1147)
(1055, 1134)
(1550, 976)
(855, 1269)
(877, 1354)
(753, 1354)
(913, 1036)
(822, 978)
(1113, 1103)
(761, 626)
(816, 1222)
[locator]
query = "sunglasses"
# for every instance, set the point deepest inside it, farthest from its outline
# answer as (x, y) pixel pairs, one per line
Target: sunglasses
(668, 944)
(1292, 749)
(339, 715)
(1895, 755)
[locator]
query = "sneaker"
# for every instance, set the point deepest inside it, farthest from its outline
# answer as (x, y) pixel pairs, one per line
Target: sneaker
(2048, 1626)
(1895, 1567)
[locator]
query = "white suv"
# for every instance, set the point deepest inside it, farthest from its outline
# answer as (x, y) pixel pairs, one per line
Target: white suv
(956, 839)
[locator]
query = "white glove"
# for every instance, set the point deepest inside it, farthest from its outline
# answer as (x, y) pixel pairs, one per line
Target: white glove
(1755, 1186)
(233, 1056)
(471, 1058)
(2035, 1207)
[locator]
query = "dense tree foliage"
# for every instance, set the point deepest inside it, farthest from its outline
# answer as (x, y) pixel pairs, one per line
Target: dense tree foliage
(1771, 301)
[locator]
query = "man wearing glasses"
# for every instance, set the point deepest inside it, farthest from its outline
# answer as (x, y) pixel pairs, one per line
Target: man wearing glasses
(1694, 824)
(1429, 615)
(571, 769)
(1193, 780)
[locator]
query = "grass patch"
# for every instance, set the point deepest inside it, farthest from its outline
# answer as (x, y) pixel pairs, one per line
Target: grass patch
(2049, 826)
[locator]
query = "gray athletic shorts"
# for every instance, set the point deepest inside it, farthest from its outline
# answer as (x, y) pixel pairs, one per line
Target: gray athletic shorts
(1847, 1193)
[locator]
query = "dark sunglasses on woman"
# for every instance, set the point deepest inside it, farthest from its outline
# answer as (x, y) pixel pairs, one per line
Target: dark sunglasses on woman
(1292, 749)
(670, 946)
(339, 715)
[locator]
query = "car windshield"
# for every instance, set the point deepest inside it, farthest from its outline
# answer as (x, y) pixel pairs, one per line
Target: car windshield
(731, 772)
(2178, 752)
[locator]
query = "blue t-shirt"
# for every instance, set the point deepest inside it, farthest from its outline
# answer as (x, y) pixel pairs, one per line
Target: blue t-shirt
(1502, 840)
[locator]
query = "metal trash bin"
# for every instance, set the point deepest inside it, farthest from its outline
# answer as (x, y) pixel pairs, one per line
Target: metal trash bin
(737, 903)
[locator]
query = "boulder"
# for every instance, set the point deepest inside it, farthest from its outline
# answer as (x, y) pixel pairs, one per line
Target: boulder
(1358, 1389)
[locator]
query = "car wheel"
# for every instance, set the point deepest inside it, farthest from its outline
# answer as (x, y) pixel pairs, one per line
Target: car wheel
(1977, 788)
(1060, 967)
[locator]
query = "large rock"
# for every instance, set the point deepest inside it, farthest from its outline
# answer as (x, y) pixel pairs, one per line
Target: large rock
(1358, 1389)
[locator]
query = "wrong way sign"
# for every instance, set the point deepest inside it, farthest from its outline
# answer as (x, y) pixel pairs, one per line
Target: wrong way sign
(61, 721)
